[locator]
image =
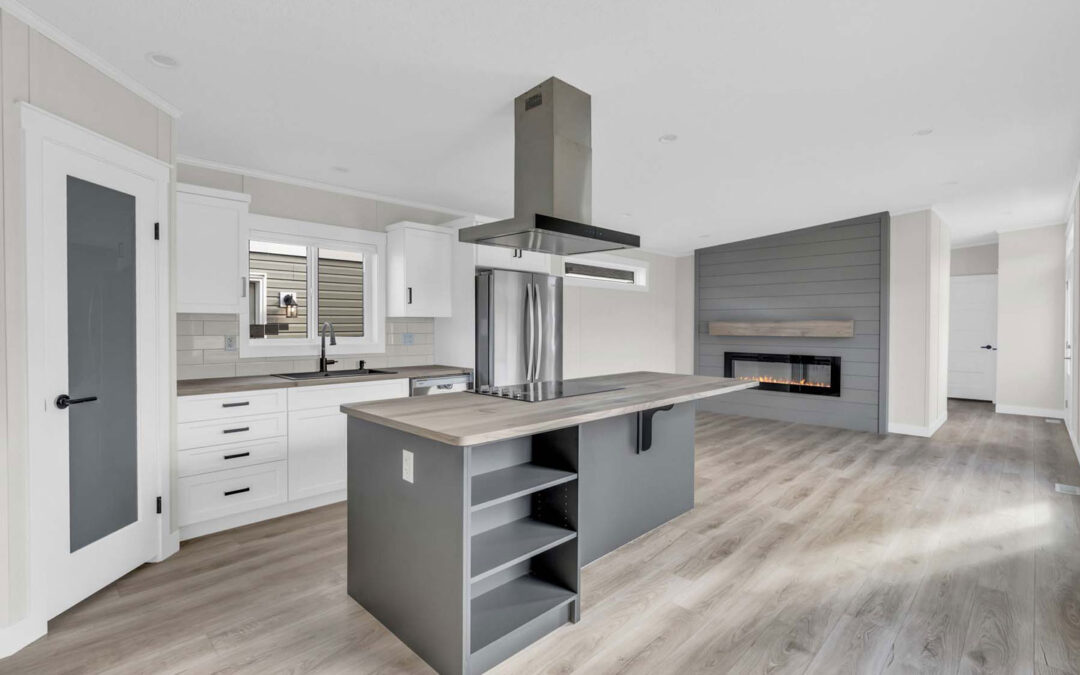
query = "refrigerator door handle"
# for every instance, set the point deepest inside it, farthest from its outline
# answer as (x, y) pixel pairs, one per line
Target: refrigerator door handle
(529, 318)
(539, 328)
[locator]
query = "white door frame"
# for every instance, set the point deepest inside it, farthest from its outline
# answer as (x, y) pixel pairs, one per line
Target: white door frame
(973, 278)
(41, 130)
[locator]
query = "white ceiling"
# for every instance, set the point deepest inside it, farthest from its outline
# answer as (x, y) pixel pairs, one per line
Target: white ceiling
(788, 114)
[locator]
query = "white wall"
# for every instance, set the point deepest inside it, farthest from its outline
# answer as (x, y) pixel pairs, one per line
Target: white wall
(919, 261)
(33, 68)
(619, 329)
(1031, 321)
(972, 260)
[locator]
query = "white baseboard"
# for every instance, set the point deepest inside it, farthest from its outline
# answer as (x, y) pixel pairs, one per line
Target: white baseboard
(170, 544)
(20, 634)
(916, 430)
(1030, 412)
(249, 517)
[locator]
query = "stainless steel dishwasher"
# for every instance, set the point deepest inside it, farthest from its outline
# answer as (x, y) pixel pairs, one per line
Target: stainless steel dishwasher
(447, 384)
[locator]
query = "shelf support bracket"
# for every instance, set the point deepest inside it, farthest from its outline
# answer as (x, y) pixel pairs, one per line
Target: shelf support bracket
(644, 427)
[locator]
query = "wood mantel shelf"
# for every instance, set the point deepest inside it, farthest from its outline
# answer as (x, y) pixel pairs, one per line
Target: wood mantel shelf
(816, 328)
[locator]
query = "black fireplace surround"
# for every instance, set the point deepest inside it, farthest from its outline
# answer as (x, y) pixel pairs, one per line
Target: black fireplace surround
(793, 373)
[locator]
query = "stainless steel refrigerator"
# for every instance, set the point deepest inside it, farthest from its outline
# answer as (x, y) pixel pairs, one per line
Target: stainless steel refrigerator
(518, 328)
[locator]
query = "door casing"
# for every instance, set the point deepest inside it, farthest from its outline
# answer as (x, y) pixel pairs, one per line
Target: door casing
(43, 132)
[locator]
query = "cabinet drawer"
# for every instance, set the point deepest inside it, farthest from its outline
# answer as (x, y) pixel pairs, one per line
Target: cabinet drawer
(224, 406)
(231, 456)
(219, 432)
(305, 398)
(221, 493)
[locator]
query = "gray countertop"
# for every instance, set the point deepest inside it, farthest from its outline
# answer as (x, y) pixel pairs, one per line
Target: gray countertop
(471, 419)
(223, 385)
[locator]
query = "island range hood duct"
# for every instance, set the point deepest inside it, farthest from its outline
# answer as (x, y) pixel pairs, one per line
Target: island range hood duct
(552, 179)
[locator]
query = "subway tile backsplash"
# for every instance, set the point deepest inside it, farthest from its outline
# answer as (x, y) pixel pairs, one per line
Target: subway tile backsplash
(200, 349)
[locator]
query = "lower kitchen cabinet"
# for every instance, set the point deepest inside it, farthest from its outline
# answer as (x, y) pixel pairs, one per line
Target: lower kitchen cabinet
(317, 441)
(221, 493)
(235, 467)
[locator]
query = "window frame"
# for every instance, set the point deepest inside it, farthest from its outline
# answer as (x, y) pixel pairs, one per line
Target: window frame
(639, 267)
(313, 236)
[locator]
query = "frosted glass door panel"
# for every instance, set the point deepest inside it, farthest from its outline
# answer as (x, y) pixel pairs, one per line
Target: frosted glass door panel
(103, 434)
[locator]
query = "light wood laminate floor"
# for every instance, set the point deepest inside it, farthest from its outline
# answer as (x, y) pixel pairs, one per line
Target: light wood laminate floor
(811, 550)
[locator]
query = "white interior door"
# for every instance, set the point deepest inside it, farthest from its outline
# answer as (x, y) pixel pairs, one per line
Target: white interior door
(1070, 318)
(973, 337)
(101, 335)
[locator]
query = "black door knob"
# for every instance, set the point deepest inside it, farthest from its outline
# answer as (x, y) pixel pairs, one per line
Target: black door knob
(63, 400)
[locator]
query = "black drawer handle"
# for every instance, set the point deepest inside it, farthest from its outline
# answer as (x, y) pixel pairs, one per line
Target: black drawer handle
(239, 454)
(235, 405)
(236, 430)
(236, 492)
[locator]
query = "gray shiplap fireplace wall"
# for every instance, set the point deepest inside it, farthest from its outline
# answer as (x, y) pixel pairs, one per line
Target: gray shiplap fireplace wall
(833, 271)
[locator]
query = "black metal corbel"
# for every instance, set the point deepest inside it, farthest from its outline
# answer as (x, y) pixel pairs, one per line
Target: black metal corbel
(644, 427)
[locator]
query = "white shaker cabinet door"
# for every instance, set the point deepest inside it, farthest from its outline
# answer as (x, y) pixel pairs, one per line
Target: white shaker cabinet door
(418, 272)
(208, 276)
(317, 451)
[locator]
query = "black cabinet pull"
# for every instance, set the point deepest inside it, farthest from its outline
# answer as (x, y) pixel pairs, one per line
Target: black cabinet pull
(236, 492)
(236, 430)
(63, 400)
(235, 405)
(409, 300)
(239, 454)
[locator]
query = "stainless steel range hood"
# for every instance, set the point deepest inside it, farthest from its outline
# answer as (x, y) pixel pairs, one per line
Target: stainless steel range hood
(552, 178)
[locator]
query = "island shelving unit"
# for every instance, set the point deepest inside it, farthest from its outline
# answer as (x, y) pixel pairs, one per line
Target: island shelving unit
(480, 554)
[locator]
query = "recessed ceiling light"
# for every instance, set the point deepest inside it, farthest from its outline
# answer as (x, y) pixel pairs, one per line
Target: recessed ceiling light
(923, 132)
(668, 138)
(340, 169)
(162, 60)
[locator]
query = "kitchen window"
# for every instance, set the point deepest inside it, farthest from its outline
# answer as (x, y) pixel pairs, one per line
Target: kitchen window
(300, 275)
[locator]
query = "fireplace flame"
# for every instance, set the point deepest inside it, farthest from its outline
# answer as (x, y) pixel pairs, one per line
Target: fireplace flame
(779, 380)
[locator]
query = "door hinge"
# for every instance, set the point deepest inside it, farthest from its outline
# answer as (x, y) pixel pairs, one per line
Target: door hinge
(159, 504)
(157, 230)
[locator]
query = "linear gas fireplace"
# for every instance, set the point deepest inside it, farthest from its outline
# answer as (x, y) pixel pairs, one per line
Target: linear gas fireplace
(795, 373)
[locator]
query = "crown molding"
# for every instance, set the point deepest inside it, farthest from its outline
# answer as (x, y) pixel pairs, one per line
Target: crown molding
(316, 185)
(35, 21)
(984, 240)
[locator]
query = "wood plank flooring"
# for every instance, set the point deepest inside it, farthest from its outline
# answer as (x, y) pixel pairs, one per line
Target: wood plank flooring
(810, 550)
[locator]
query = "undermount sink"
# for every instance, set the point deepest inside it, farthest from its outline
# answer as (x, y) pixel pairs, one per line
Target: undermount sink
(316, 375)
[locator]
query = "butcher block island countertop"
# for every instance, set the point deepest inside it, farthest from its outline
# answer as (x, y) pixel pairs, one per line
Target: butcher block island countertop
(471, 419)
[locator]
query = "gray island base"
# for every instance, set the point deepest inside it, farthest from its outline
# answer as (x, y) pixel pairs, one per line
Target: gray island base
(480, 553)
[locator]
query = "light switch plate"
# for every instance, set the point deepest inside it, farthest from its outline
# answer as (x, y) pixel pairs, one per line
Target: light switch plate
(406, 338)
(406, 466)
(230, 343)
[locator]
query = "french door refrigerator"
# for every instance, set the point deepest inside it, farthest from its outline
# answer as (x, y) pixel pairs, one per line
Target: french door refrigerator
(518, 328)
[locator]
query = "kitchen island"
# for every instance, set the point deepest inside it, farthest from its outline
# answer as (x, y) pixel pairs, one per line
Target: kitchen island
(470, 516)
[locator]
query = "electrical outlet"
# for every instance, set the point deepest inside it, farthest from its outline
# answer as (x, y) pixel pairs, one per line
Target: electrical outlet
(406, 338)
(406, 465)
(230, 343)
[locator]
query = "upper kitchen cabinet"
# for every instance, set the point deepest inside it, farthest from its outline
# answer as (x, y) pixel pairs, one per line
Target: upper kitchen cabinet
(418, 269)
(504, 258)
(207, 236)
